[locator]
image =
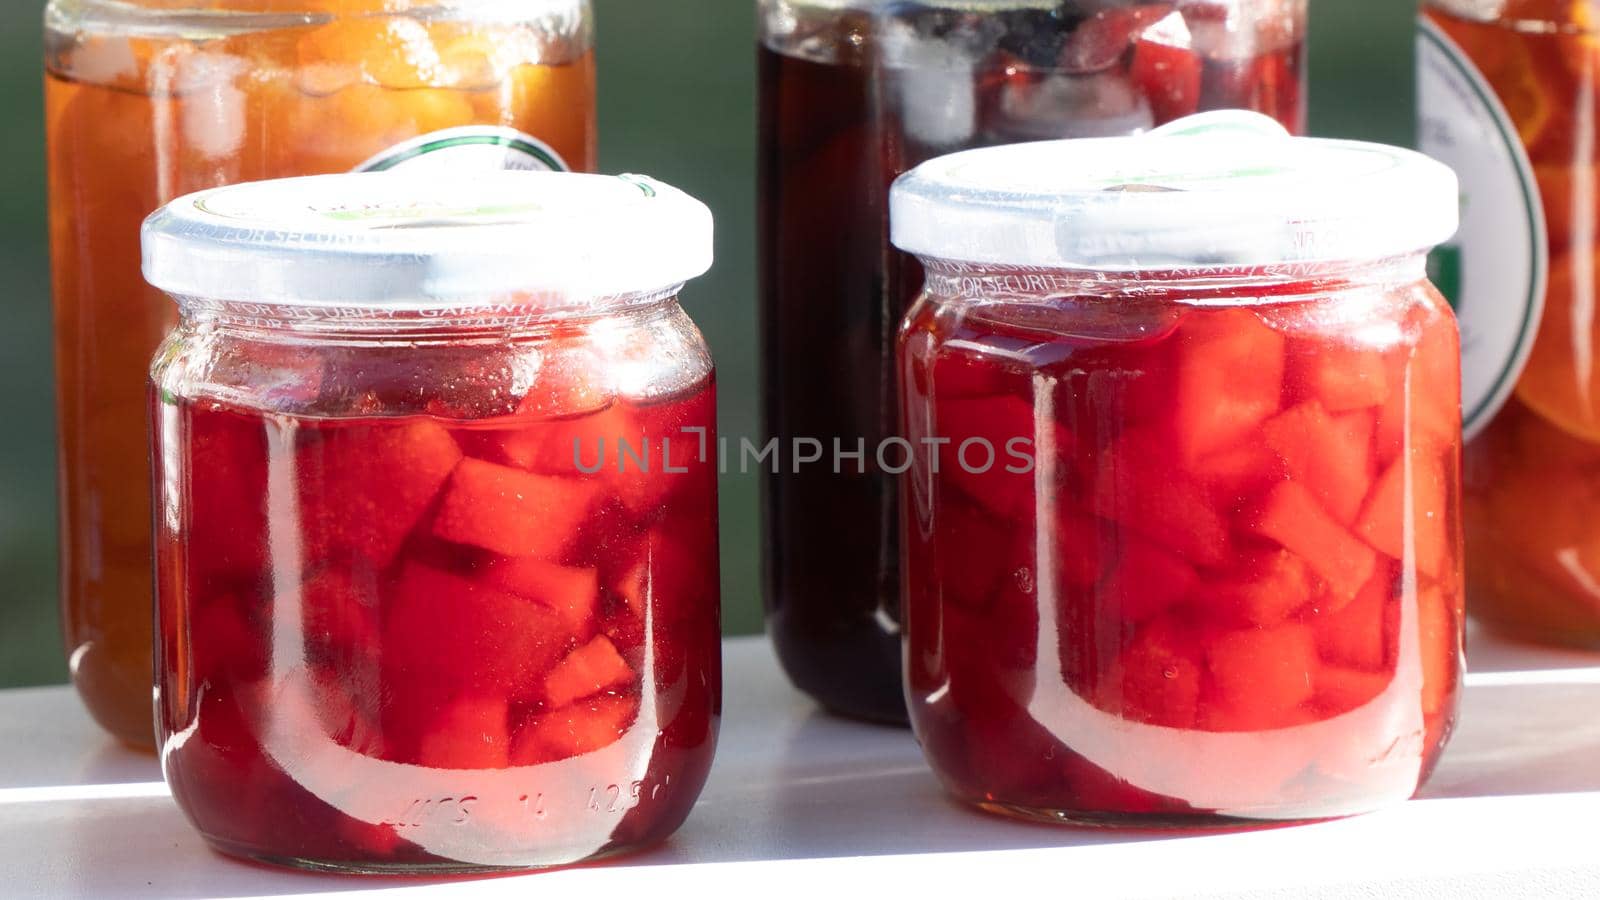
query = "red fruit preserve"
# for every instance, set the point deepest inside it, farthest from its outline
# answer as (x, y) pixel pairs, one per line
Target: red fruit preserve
(854, 93)
(1183, 505)
(437, 519)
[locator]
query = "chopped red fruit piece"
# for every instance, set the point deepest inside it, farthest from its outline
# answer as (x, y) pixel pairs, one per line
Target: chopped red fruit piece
(675, 574)
(570, 382)
(512, 512)
(227, 496)
(583, 727)
(1157, 678)
(1137, 489)
(1383, 518)
(1271, 586)
(572, 446)
(982, 468)
(1235, 477)
(969, 549)
(442, 630)
(1357, 634)
(1080, 548)
(340, 612)
(1260, 677)
(1147, 580)
(1331, 455)
(1099, 42)
(573, 592)
(1230, 380)
(591, 668)
(1439, 626)
(470, 733)
(1167, 70)
(1341, 377)
(365, 488)
(1340, 690)
(1293, 517)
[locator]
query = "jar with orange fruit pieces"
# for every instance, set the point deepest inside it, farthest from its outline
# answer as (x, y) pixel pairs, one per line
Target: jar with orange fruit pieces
(151, 99)
(1507, 97)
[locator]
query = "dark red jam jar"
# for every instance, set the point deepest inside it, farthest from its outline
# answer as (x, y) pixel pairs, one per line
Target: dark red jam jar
(1182, 511)
(854, 93)
(436, 519)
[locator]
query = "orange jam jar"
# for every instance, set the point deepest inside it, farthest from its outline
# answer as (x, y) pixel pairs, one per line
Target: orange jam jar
(1507, 98)
(151, 99)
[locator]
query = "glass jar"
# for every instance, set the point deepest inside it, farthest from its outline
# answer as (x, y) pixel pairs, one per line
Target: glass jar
(1506, 95)
(853, 93)
(1182, 512)
(436, 533)
(150, 99)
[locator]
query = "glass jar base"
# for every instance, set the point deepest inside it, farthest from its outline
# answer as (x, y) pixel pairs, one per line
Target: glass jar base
(397, 869)
(1197, 822)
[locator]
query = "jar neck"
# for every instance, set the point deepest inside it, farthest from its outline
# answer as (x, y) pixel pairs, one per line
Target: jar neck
(358, 322)
(1199, 285)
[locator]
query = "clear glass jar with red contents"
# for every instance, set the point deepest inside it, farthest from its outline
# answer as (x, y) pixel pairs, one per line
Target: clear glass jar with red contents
(1182, 509)
(854, 93)
(436, 530)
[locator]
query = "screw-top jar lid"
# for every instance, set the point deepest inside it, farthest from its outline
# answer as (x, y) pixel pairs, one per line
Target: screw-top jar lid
(1227, 188)
(399, 241)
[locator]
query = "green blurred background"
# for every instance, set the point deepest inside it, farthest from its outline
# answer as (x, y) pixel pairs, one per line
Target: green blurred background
(677, 100)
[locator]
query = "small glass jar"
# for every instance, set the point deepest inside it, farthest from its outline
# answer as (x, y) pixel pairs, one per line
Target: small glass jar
(147, 100)
(1506, 95)
(1182, 512)
(436, 519)
(854, 93)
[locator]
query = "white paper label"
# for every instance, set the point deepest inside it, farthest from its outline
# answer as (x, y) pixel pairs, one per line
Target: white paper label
(1495, 269)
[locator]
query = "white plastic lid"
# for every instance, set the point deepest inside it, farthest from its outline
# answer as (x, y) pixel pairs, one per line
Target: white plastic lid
(1226, 188)
(395, 240)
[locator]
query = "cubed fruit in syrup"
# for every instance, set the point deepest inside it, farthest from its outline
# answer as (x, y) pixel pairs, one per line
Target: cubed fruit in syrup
(1260, 677)
(1330, 455)
(1421, 475)
(365, 488)
(1229, 380)
(583, 727)
(1342, 378)
(1146, 580)
(1139, 488)
(1294, 518)
(1361, 633)
(1167, 70)
(589, 669)
(1340, 690)
(981, 431)
(1265, 589)
(512, 512)
(391, 51)
(1100, 41)
(340, 613)
(443, 630)
(1157, 678)
(470, 733)
(572, 591)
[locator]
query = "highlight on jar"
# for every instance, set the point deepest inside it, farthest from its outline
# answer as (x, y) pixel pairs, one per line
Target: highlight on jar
(147, 100)
(853, 94)
(1230, 589)
(1506, 98)
(399, 628)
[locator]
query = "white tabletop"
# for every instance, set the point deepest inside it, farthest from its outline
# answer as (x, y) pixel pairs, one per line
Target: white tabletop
(799, 801)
